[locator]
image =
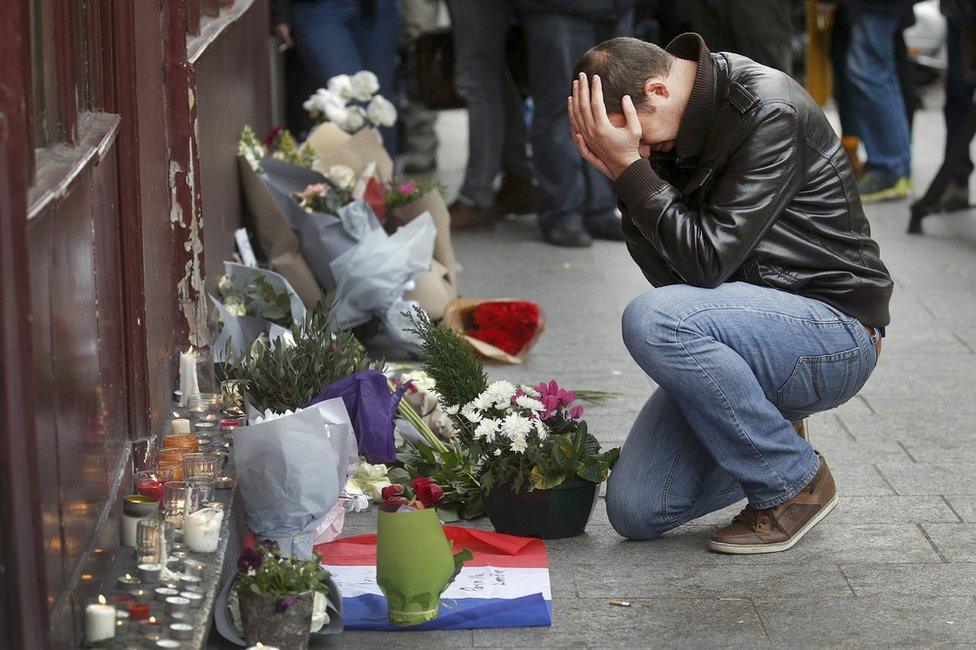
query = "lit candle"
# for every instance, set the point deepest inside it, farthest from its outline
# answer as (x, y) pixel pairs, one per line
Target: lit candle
(151, 629)
(135, 508)
(194, 597)
(189, 581)
(162, 593)
(188, 376)
(177, 605)
(168, 643)
(99, 621)
(202, 530)
(127, 581)
(193, 568)
(261, 646)
(181, 631)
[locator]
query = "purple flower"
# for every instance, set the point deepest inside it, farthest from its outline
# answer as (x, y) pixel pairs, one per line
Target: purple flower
(248, 560)
(576, 412)
(269, 544)
(284, 603)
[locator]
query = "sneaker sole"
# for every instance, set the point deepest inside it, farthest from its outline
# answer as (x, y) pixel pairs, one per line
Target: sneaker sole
(889, 194)
(755, 549)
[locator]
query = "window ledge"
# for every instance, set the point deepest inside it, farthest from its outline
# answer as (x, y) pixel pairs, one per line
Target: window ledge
(60, 165)
(211, 27)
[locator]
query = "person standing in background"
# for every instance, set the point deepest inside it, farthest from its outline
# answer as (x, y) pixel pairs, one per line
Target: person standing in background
(759, 29)
(576, 202)
(343, 37)
(960, 84)
(419, 139)
(496, 122)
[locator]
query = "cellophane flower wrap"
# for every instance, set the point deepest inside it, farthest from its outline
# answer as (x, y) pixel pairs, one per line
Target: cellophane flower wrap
(500, 330)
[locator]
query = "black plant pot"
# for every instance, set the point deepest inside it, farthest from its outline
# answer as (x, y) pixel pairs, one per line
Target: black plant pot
(550, 514)
(287, 630)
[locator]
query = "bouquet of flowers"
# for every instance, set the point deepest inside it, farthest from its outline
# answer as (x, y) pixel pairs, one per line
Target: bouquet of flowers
(351, 102)
(398, 194)
(501, 330)
(413, 582)
(284, 147)
(335, 192)
(255, 296)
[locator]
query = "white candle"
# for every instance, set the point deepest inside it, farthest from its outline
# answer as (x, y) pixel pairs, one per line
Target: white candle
(201, 530)
(188, 376)
(99, 621)
(180, 425)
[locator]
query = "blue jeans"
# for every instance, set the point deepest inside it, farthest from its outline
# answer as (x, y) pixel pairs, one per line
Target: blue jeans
(336, 37)
(874, 92)
(496, 124)
(735, 365)
(568, 187)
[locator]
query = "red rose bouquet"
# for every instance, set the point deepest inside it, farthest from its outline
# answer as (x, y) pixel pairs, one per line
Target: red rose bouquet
(420, 493)
(501, 330)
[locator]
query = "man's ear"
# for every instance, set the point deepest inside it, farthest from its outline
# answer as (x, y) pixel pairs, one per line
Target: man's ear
(656, 92)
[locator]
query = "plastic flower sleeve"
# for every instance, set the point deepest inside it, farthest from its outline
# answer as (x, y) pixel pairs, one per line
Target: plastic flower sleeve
(414, 564)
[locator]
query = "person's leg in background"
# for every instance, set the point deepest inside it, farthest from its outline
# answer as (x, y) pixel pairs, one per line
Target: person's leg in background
(711, 20)
(516, 194)
(742, 363)
(376, 29)
(324, 38)
(877, 100)
(840, 35)
(482, 79)
(959, 89)
(763, 31)
(418, 138)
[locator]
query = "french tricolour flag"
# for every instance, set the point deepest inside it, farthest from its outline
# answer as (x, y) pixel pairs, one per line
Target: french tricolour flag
(505, 585)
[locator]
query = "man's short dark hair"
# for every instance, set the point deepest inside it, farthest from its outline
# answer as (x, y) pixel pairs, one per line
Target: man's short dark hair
(624, 64)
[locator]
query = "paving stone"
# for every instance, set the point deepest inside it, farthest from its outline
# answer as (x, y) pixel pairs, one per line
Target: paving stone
(405, 639)
(930, 478)
(890, 510)
(964, 506)
(956, 542)
(937, 580)
(883, 621)
(659, 622)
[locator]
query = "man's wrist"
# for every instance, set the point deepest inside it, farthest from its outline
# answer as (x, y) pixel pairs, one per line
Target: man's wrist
(636, 183)
(619, 167)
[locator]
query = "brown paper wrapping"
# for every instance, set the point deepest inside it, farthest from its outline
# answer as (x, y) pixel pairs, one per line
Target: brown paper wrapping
(277, 240)
(458, 318)
(431, 202)
(433, 290)
(335, 147)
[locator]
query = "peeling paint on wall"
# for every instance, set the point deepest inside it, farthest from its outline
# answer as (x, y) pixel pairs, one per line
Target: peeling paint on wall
(190, 288)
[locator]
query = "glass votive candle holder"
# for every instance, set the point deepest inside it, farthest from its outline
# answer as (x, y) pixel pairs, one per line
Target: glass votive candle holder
(175, 496)
(150, 482)
(202, 465)
(153, 537)
(203, 491)
(204, 407)
(231, 399)
(174, 466)
(186, 442)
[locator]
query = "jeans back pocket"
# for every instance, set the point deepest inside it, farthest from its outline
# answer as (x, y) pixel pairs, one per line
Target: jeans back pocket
(818, 383)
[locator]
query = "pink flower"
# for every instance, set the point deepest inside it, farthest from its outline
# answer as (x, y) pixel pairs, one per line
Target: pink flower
(576, 413)
(314, 190)
(407, 188)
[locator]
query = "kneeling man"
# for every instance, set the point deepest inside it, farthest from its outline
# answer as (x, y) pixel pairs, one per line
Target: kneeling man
(740, 206)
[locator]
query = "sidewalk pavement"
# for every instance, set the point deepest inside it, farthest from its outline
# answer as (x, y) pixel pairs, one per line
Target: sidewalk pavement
(894, 564)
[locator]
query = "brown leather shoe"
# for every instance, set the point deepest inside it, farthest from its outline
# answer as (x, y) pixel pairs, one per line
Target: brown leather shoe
(470, 217)
(780, 527)
(800, 426)
(515, 196)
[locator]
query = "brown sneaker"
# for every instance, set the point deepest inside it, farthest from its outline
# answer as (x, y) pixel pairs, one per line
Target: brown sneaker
(470, 217)
(780, 527)
(515, 196)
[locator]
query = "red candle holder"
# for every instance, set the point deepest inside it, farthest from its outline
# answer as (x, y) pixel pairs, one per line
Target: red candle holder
(150, 482)
(139, 611)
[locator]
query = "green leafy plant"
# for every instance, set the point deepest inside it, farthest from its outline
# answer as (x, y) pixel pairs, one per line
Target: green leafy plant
(255, 297)
(280, 375)
(457, 371)
(398, 194)
(286, 148)
(265, 572)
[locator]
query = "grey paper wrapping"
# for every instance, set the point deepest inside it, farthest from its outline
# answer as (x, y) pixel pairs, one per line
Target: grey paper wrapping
(277, 240)
(238, 332)
(333, 147)
(370, 276)
(432, 202)
(290, 476)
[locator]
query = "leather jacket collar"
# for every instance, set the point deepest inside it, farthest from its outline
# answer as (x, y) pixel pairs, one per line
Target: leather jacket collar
(700, 112)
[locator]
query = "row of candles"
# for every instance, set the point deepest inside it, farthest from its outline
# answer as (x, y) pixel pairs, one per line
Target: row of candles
(173, 500)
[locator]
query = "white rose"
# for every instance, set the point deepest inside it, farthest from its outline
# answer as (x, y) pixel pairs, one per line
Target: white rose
(343, 177)
(363, 84)
(381, 111)
(353, 121)
(340, 85)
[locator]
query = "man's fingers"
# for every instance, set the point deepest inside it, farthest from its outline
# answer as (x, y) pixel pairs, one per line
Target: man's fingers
(572, 116)
(630, 114)
(586, 114)
(591, 158)
(596, 101)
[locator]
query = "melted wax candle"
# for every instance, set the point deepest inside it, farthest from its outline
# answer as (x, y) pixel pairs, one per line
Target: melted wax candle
(99, 621)
(202, 530)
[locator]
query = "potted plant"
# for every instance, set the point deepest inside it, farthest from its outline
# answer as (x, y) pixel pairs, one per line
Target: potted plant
(276, 594)
(539, 467)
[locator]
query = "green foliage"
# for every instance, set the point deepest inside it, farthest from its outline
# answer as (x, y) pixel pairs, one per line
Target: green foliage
(256, 297)
(455, 368)
(265, 572)
(455, 470)
(287, 149)
(571, 455)
(398, 194)
(282, 376)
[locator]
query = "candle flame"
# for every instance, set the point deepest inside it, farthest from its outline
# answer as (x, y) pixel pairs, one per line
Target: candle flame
(101, 599)
(152, 620)
(128, 577)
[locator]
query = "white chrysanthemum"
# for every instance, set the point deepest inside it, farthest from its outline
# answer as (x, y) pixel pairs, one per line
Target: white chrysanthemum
(381, 112)
(484, 401)
(355, 119)
(452, 409)
(531, 392)
(340, 85)
(519, 444)
(516, 426)
(363, 85)
(530, 403)
(343, 177)
(501, 393)
(471, 413)
(487, 429)
(498, 452)
(541, 429)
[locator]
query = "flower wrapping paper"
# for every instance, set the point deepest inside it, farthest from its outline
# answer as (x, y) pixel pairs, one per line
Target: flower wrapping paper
(458, 317)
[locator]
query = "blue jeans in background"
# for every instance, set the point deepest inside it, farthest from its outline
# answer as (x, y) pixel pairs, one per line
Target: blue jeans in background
(736, 365)
(496, 124)
(568, 186)
(338, 37)
(874, 91)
